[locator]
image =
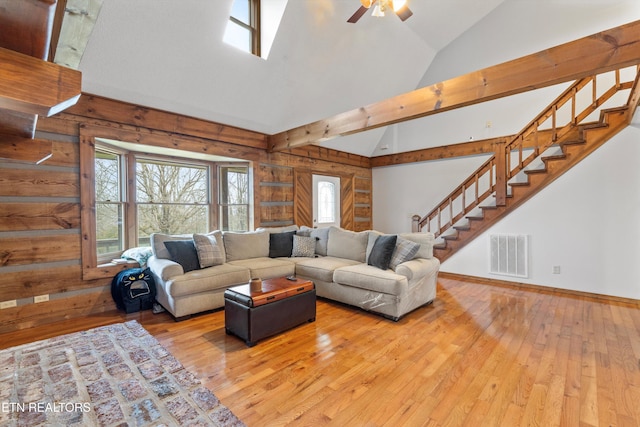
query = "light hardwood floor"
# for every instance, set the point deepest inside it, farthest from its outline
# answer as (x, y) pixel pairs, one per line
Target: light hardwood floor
(481, 355)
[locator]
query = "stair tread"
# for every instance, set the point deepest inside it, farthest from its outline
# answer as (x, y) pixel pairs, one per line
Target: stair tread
(569, 145)
(532, 171)
(554, 157)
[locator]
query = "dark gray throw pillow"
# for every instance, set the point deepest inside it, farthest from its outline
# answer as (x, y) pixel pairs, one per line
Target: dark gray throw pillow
(184, 253)
(281, 244)
(382, 251)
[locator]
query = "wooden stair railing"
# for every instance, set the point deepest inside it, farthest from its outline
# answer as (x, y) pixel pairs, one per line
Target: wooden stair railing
(494, 176)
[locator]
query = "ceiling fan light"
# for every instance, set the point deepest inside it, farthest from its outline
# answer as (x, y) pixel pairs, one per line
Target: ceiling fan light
(399, 4)
(377, 11)
(366, 3)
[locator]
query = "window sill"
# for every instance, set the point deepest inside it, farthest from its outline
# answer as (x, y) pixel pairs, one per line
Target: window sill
(107, 270)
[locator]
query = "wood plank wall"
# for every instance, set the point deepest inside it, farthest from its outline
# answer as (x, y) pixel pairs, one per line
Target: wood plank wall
(40, 239)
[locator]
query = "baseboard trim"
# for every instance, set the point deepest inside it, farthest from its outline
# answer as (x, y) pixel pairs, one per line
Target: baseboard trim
(537, 288)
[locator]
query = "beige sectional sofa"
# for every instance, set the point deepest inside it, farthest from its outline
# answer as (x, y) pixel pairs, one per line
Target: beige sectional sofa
(338, 263)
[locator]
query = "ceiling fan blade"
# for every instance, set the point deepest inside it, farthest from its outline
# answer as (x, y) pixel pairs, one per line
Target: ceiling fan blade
(354, 18)
(404, 13)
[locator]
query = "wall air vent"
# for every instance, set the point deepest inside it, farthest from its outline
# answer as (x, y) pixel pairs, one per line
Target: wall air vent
(509, 254)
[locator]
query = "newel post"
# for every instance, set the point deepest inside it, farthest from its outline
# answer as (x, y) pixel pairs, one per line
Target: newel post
(501, 174)
(415, 223)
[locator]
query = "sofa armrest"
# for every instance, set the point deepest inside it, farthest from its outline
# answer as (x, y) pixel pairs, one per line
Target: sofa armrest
(164, 269)
(417, 268)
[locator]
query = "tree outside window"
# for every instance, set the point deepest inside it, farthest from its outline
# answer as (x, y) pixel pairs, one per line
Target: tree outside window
(109, 202)
(234, 198)
(171, 198)
(164, 196)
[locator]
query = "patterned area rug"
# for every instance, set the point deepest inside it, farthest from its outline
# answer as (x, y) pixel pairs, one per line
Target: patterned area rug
(109, 376)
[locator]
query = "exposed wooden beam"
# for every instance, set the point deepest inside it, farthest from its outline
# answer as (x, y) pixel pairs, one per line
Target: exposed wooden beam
(472, 148)
(615, 48)
(33, 86)
(25, 150)
(15, 123)
(26, 26)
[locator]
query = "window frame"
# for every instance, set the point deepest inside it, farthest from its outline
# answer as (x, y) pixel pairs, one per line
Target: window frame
(222, 205)
(138, 157)
(123, 198)
(92, 266)
(253, 26)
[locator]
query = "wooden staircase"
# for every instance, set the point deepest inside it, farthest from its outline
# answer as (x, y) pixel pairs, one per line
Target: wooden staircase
(533, 159)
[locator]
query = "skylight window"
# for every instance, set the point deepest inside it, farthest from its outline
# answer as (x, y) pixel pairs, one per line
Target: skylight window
(253, 25)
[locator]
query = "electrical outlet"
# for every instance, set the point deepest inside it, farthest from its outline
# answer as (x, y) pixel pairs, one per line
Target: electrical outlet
(41, 298)
(8, 304)
(556, 269)
(488, 124)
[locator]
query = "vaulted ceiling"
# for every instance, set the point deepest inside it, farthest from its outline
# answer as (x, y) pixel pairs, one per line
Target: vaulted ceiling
(170, 55)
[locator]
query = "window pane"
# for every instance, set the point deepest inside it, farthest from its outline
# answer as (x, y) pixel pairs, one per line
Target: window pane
(234, 185)
(326, 202)
(107, 176)
(158, 182)
(234, 218)
(109, 229)
(241, 10)
(238, 36)
(171, 219)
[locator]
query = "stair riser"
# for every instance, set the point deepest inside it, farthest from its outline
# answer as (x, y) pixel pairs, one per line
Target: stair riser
(555, 167)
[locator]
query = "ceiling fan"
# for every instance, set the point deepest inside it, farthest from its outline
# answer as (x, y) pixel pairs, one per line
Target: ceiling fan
(399, 7)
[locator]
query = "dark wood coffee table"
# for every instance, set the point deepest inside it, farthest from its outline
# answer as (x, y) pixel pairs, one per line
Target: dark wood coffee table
(280, 305)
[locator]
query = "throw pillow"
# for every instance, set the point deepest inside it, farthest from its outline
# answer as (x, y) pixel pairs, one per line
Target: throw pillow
(382, 251)
(404, 251)
(184, 253)
(209, 248)
(304, 246)
(426, 241)
(157, 243)
(281, 244)
(321, 235)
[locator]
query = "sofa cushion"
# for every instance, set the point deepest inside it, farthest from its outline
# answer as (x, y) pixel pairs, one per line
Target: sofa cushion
(303, 246)
(210, 248)
(368, 277)
(382, 251)
(251, 244)
(373, 236)
(184, 253)
(281, 244)
(347, 244)
(321, 235)
(321, 268)
(426, 241)
(282, 229)
(207, 279)
(267, 268)
(157, 243)
(405, 251)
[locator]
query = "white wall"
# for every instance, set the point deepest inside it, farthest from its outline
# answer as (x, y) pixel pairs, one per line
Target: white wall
(586, 221)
